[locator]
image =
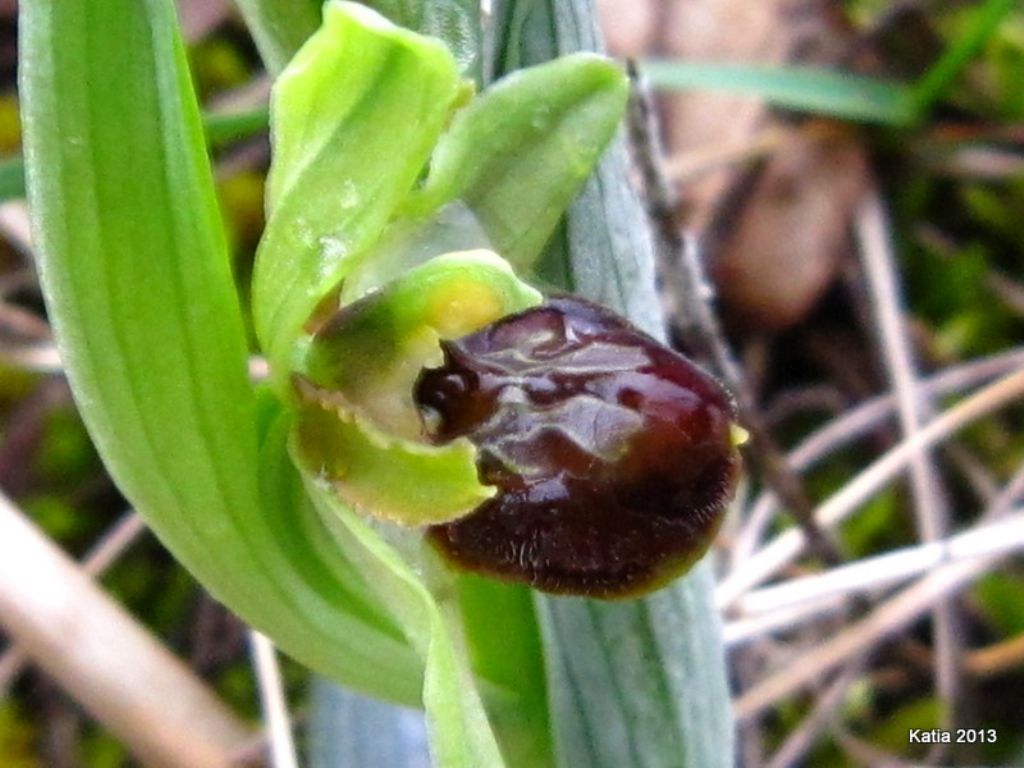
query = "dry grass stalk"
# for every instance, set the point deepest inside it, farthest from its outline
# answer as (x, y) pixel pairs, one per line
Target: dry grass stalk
(786, 547)
(104, 659)
(930, 502)
(273, 701)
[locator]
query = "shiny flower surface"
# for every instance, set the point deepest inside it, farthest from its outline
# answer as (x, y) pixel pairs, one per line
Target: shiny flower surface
(614, 456)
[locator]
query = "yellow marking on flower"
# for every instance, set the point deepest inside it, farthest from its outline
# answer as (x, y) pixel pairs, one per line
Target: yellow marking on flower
(738, 435)
(460, 307)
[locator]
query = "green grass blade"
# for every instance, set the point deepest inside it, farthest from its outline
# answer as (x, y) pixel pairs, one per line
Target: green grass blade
(279, 27)
(822, 91)
(637, 683)
(934, 84)
(136, 274)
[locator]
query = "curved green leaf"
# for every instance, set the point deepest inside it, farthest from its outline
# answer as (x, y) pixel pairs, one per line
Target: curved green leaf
(138, 284)
(354, 118)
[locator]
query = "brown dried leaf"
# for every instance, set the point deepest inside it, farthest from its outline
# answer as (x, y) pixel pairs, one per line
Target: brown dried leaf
(774, 233)
(780, 251)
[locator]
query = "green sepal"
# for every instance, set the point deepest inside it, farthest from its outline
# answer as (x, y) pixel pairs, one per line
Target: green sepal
(518, 155)
(354, 118)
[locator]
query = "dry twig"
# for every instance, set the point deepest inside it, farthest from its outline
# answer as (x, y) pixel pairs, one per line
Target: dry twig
(856, 423)
(802, 738)
(699, 327)
(858, 639)
(876, 573)
(105, 553)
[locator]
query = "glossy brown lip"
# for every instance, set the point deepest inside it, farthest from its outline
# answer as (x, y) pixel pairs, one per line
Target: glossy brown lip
(612, 454)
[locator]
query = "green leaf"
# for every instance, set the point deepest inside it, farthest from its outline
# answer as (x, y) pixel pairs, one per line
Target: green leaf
(355, 116)
(638, 683)
(504, 644)
(822, 91)
(138, 284)
(460, 735)
(518, 155)
(221, 128)
(280, 27)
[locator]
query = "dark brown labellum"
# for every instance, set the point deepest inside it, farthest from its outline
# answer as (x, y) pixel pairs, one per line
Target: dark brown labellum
(613, 456)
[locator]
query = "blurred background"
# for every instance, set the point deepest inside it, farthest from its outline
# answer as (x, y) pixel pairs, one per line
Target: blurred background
(854, 175)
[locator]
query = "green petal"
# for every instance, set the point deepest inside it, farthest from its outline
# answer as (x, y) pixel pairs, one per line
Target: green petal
(518, 155)
(386, 477)
(359, 427)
